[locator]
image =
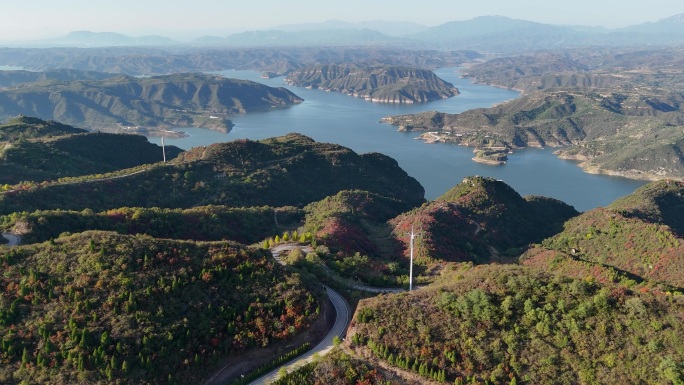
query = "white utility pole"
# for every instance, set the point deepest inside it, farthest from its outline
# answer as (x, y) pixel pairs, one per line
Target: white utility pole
(413, 236)
(163, 149)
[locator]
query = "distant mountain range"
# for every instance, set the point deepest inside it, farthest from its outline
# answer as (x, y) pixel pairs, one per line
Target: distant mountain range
(389, 28)
(323, 37)
(485, 33)
(106, 39)
(147, 61)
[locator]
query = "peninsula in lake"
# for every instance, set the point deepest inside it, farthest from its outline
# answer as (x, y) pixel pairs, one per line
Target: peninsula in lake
(142, 105)
(618, 112)
(386, 84)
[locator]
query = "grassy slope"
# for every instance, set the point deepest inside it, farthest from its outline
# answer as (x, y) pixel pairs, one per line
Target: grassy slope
(638, 237)
(495, 323)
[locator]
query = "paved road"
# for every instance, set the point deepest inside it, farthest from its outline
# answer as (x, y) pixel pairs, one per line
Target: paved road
(276, 251)
(342, 319)
(12, 238)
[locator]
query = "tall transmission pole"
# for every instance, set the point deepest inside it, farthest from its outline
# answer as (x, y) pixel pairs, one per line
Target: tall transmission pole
(413, 236)
(163, 149)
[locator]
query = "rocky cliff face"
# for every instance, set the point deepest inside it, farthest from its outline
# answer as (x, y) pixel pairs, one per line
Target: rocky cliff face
(384, 84)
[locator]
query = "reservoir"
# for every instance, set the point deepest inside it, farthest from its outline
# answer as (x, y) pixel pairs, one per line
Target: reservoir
(354, 123)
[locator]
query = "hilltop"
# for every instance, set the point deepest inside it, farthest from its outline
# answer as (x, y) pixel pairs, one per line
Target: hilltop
(26, 127)
(375, 83)
(288, 170)
(480, 220)
(125, 102)
(35, 150)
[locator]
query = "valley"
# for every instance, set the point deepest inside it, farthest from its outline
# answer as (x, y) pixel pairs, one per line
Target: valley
(290, 227)
(357, 230)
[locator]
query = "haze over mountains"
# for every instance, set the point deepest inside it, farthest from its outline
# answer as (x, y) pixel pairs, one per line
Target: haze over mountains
(128, 262)
(487, 33)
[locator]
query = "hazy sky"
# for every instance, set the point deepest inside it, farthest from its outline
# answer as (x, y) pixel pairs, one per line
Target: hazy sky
(28, 19)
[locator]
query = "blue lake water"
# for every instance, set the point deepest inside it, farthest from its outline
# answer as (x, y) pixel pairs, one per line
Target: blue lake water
(354, 123)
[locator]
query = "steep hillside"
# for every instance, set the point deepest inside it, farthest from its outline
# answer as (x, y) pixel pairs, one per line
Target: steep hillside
(160, 101)
(55, 151)
(289, 170)
(638, 238)
(104, 308)
(378, 84)
(508, 324)
(481, 220)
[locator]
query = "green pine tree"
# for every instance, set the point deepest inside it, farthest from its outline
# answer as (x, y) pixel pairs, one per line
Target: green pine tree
(25, 357)
(84, 338)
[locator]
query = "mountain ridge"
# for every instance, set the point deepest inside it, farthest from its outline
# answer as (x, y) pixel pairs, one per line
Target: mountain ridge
(487, 33)
(115, 103)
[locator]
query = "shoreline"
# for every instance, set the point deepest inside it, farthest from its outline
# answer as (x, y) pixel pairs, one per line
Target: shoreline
(489, 162)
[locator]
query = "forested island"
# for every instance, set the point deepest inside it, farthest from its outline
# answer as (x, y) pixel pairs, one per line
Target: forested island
(383, 84)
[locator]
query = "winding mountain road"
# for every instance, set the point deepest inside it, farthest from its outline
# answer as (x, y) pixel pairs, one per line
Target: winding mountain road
(342, 319)
(12, 238)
